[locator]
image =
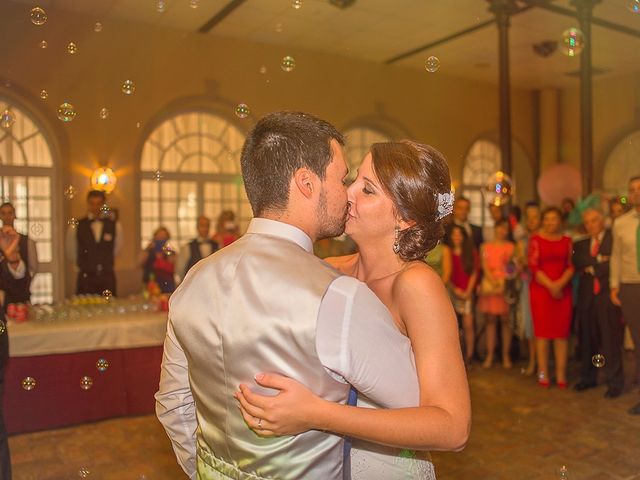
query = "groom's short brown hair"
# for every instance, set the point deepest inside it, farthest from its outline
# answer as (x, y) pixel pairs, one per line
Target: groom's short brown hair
(278, 145)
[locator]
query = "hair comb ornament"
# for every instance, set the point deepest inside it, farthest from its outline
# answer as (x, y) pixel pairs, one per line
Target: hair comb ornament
(445, 204)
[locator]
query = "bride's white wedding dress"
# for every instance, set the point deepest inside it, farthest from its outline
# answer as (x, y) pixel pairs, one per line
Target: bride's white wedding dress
(370, 461)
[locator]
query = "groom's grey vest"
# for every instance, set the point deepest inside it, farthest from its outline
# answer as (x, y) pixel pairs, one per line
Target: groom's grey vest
(252, 307)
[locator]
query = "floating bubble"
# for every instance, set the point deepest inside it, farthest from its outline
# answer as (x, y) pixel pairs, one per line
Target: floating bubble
(38, 16)
(168, 250)
(72, 48)
(44, 44)
(161, 6)
(128, 87)
(634, 6)
(84, 472)
(564, 473)
(157, 176)
(103, 113)
(107, 294)
(194, 3)
(288, 63)
(138, 124)
(278, 28)
(598, 360)
(86, 383)
(297, 4)
(28, 383)
(70, 192)
(7, 119)
(97, 27)
(66, 112)
(73, 222)
(44, 94)
(105, 210)
(432, 64)
(242, 110)
(3, 327)
(102, 364)
(263, 69)
(499, 188)
(572, 42)
(37, 229)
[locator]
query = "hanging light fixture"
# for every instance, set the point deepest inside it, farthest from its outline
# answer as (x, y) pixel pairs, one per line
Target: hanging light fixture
(103, 179)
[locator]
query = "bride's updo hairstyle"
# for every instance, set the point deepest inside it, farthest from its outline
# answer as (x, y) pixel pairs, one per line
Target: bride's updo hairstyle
(416, 178)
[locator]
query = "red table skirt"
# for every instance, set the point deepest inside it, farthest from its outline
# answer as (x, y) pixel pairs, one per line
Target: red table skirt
(126, 387)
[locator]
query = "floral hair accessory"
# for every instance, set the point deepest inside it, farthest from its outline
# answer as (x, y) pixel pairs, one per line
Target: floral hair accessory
(445, 204)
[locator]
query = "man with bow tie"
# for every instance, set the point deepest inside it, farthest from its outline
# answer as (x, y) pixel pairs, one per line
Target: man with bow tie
(200, 247)
(93, 245)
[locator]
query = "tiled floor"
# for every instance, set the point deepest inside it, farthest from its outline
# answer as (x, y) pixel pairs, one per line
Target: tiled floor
(520, 431)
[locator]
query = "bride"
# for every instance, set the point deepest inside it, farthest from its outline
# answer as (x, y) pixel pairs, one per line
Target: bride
(397, 206)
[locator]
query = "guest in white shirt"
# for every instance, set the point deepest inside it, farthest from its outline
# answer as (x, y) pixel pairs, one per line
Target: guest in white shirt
(624, 277)
(200, 247)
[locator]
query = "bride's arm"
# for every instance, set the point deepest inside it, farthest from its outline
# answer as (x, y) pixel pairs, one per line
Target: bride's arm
(443, 420)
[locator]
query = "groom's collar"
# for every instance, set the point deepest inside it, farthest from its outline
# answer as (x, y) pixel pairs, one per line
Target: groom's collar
(279, 229)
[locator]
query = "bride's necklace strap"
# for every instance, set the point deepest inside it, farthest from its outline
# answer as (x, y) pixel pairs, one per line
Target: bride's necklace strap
(382, 277)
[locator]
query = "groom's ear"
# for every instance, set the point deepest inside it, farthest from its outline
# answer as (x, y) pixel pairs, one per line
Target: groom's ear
(305, 181)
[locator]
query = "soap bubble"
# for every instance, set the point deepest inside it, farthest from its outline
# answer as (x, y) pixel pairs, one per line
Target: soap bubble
(38, 16)
(44, 44)
(84, 472)
(564, 473)
(3, 327)
(37, 229)
(66, 112)
(107, 294)
(7, 119)
(168, 250)
(572, 42)
(28, 383)
(104, 113)
(161, 6)
(499, 188)
(73, 222)
(105, 210)
(242, 110)
(70, 192)
(634, 6)
(102, 364)
(263, 69)
(432, 64)
(128, 87)
(72, 48)
(86, 383)
(598, 360)
(288, 63)
(278, 28)
(297, 4)
(44, 94)
(97, 27)
(193, 3)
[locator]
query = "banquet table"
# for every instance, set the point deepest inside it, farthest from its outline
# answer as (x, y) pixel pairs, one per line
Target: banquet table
(88, 368)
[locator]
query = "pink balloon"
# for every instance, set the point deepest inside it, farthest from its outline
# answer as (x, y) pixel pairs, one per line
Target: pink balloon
(558, 182)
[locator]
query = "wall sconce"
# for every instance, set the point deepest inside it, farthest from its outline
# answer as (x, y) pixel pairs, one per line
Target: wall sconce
(103, 179)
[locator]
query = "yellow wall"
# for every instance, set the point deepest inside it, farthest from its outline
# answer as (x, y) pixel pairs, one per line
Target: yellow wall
(174, 70)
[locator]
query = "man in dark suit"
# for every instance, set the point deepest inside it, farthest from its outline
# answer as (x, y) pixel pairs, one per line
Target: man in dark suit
(200, 247)
(461, 209)
(601, 331)
(93, 245)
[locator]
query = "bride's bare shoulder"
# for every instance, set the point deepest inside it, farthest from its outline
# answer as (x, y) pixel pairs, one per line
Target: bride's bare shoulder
(417, 275)
(345, 263)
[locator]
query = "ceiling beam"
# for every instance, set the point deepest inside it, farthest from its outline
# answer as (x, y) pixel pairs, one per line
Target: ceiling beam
(448, 38)
(220, 16)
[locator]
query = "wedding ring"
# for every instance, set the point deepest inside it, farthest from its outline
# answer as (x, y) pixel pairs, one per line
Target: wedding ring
(259, 424)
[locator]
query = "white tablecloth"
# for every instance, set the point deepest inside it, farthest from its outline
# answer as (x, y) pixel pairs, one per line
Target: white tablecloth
(131, 330)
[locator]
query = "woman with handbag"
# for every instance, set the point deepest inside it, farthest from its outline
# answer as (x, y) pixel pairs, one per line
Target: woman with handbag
(550, 292)
(495, 256)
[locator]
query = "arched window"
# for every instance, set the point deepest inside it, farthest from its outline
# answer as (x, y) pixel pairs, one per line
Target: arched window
(190, 165)
(622, 164)
(27, 180)
(358, 142)
(482, 161)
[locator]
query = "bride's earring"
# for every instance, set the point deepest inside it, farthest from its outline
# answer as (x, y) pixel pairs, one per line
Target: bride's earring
(396, 244)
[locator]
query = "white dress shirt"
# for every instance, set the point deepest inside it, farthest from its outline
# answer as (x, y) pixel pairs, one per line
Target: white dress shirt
(624, 260)
(96, 227)
(356, 341)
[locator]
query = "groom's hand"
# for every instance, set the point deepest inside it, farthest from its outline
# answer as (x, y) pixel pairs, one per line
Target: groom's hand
(295, 409)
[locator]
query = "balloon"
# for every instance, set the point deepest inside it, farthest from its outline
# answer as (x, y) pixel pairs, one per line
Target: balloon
(558, 182)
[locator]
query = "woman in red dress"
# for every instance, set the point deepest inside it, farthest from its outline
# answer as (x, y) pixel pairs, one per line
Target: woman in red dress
(550, 291)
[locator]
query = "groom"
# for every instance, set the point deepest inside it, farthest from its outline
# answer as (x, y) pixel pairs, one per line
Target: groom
(267, 304)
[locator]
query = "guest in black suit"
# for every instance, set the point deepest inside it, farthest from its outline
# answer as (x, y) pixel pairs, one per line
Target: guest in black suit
(601, 331)
(93, 245)
(461, 209)
(200, 247)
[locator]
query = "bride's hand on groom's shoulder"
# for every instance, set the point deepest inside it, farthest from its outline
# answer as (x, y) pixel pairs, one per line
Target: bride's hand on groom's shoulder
(290, 412)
